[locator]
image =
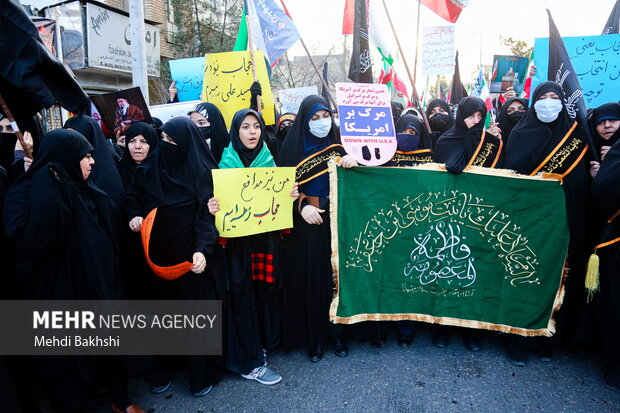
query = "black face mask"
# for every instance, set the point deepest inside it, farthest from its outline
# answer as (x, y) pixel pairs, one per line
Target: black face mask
(439, 122)
(205, 131)
(172, 155)
(515, 117)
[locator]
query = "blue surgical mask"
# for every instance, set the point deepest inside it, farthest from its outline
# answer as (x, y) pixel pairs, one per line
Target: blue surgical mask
(548, 110)
(320, 127)
(407, 142)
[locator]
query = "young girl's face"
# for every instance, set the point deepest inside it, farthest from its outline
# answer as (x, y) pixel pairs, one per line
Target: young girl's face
(249, 131)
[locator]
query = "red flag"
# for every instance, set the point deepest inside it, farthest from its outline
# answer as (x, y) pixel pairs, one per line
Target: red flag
(446, 9)
(349, 17)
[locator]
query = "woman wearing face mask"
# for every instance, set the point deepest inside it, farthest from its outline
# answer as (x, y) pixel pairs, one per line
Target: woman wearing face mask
(285, 122)
(547, 140)
(440, 118)
(254, 277)
(177, 181)
(308, 283)
(467, 143)
(55, 196)
(413, 143)
(605, 126)
(211, 124)
(510, 114)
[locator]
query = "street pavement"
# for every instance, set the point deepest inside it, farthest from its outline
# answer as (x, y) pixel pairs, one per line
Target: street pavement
(419, 378)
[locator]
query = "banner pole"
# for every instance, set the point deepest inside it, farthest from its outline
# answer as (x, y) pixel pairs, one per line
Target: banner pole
(251, 47)
(415, 91)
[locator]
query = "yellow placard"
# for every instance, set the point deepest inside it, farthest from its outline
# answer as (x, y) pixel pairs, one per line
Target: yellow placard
(227, 81)
(253, 200)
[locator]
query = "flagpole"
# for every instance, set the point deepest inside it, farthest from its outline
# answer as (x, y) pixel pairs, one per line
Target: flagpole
(316, 69)
(411, 79)
(251, 47)
(417, 44)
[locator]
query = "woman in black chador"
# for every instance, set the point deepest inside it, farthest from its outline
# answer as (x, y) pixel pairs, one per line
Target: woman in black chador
(177, 181)
(63, 228)
(547, 140)
(308, 283)
(440, 118)
(467, 143)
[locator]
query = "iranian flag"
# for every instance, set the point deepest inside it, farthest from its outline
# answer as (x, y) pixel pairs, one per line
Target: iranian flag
(481, 90)
(449, 10)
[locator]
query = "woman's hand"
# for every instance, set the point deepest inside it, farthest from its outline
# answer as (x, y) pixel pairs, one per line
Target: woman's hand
(136, 224)
(347, 161)
(295, 192)
(604, 150)
(495, 130)
(594, 167)
(27, 163)
(214, 205)
(510, 93)
(200, 263)
(312, 215)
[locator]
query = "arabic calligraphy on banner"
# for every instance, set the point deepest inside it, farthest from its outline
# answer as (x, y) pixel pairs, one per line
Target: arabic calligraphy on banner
(227, 80)
(478, 249)
(253, 200)
(596, 60)
(366, 124)
(438, 50)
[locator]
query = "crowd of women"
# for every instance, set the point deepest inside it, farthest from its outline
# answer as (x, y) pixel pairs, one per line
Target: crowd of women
(74, 212)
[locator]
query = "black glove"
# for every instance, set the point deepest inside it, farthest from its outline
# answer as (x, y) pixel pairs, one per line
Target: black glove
(256, 89)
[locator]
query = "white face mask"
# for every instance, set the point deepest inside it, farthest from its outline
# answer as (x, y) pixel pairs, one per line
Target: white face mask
(320, 127)
(337, 122)
(547, 110)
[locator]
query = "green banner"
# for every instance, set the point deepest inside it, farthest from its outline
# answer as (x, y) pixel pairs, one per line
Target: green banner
(482, 249)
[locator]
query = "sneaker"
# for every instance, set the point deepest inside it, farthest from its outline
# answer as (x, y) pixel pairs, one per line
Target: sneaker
(162, 383)
(264, 375)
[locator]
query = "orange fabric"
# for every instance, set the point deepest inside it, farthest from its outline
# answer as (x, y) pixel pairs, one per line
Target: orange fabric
(167, 273)
(559, 145)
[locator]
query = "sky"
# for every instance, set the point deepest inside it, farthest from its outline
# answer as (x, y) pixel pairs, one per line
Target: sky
(477, 30)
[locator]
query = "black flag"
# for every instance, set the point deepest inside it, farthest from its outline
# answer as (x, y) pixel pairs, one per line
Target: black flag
(31, 78)
(561, 71)
(457, 92)
(323, 90)
(613, 23)
(360, 69)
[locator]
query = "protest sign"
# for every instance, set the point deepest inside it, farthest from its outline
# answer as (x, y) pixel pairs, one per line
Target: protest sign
(479, 249)
(290, 99)
(508, 71)
(172, 110)
(119, 109)
(366, 123)
(438, 50)
(596, 60)
(227, 81)
(253, 200)
(188, 74)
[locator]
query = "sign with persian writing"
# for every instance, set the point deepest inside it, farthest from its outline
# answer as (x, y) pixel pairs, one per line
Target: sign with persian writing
(596, 60)
(366, 123)
(290, 99)
(474, 250)
(188, 74)
(253, 200)
(227, 80)
(438, 50)
(109, 41)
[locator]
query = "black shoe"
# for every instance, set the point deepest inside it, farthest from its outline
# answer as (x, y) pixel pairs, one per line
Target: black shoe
(161, 383)
(340, 347)
(441, 340)
(515, 355)
(405, 340)
(202, 392)
(471, 343)
(544, 353)
(316, 354)
(612, 381)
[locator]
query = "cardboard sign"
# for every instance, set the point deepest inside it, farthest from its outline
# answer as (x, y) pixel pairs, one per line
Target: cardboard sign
(189, 74)
(253, 200)
(438, 50)
(366, 124)
(290, 99)
(227, 80)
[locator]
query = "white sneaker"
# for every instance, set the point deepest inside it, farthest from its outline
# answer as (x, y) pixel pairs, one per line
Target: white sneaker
(264, 375)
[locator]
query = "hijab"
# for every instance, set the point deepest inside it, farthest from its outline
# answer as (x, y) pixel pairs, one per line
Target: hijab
(219, 134)
(283, 131)
(104, 172)
(408, 143)
(236, 155)
(508, 122)
(456, 147)
(445, 106)
(532, 140)
(172, 174)
(300, 143)
(127, 166)
(604, 112)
